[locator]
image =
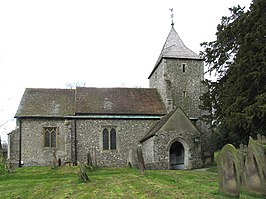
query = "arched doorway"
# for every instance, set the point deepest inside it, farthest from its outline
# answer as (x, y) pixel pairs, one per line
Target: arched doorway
(177, 156)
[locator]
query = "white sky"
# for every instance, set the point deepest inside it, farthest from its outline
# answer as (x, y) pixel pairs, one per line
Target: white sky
(46, 44)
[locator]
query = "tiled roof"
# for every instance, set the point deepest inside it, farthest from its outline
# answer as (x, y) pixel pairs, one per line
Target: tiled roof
(176, 119)
(175, 48)
(126, 101)
(46, 102)
(90, 101)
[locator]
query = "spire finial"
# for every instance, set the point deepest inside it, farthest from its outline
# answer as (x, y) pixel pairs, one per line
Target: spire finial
(172, 16)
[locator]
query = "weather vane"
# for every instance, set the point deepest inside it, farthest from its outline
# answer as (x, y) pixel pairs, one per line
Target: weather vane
(172, 15)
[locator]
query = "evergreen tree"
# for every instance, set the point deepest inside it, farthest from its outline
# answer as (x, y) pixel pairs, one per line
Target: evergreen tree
(237, 100)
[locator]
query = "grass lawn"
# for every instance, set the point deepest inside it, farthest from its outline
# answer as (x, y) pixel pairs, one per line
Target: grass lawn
(63, 182)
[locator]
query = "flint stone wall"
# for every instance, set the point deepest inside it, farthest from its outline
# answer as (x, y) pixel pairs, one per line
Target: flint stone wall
(89, 138)
(13, 149)
(171, 82)
(33, 152)
(128, 132)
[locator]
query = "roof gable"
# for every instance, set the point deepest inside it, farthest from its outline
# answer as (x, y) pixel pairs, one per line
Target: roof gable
(46, 103)
(125, 101)
(174, 120)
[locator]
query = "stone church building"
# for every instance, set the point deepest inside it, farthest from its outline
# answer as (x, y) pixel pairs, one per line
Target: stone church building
(110, 123)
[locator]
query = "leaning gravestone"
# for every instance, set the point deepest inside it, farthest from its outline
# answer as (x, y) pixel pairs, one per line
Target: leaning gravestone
(9, 166)
(82, 173)
(228, 170)
(255, 167)
(245, 168)
(141, 163)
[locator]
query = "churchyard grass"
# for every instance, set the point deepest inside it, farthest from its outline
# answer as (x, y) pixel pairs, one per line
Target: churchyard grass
(63, 182)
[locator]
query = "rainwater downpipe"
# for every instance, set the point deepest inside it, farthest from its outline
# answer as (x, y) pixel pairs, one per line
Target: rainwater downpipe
(19, 154)
(75, 143)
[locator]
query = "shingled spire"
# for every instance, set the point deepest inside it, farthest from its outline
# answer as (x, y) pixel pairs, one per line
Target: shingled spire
(175, 48)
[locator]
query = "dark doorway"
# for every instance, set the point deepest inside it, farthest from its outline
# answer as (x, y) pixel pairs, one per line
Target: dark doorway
(177, 156)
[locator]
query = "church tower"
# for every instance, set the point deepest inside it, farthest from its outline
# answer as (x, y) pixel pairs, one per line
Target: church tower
(177, 75)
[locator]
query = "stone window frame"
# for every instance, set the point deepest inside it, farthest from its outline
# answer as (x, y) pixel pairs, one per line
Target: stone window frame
(50, 129)
(109, 128)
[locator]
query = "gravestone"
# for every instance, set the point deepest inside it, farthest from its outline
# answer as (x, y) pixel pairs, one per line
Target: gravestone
(54, 161)
(94, 157)
(245, 168)
(9, 166)
(89, 159)
(130, 159)
(227, 166)
(263, 139)
(255, 167)
(141, 163)
(82, 173)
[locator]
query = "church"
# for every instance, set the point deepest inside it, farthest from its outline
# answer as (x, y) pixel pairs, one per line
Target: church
(111, 123)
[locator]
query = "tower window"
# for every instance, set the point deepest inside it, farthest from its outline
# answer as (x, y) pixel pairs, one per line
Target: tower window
(184, 94)
(184, 65)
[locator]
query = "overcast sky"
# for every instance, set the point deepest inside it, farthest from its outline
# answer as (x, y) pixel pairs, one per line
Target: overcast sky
(47, 44)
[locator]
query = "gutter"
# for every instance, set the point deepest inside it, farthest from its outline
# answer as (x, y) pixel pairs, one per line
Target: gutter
(97, 116)
(116, 116)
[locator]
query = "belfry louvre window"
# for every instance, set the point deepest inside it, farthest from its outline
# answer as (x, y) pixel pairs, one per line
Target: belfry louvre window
(109, 138)
(50, 136)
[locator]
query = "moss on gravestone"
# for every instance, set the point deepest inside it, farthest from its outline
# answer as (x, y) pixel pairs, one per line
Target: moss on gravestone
(228, 170)
(255, 168)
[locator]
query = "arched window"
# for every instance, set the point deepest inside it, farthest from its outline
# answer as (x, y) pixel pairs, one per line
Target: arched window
(47, 139)
(109, 138)
(105, 139)
(53, 138)
(113, 138)
(50, 136)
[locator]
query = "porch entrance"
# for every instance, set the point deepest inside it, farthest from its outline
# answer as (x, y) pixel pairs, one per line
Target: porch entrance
(177, 156)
